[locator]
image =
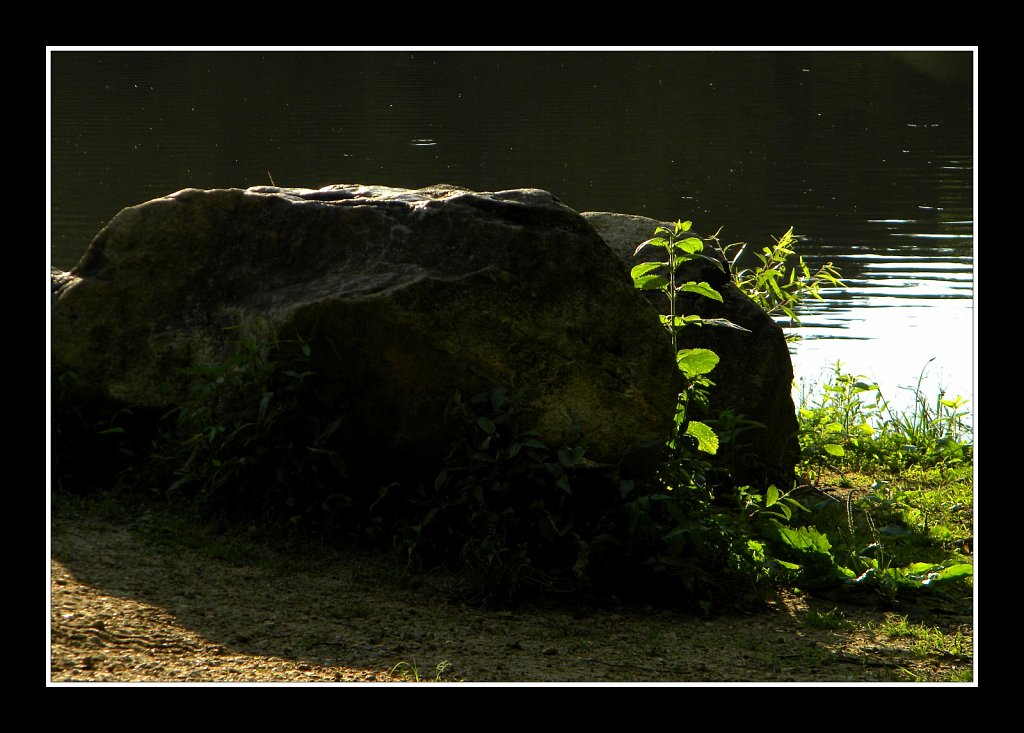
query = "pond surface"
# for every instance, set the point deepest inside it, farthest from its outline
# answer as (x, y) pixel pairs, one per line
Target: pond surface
(869, 155)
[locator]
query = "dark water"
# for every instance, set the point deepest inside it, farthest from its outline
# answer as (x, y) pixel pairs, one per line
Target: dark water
(869, 155)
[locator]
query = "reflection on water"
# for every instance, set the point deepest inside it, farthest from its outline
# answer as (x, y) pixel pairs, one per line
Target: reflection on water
(899, 313)
(869, 155)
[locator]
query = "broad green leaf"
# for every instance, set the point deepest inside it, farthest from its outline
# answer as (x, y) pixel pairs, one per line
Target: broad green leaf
(644, 268)
(570, 458)
(771, 496)
(264, 404)
(756, 549)
(297, 375)
(651, 282)
(486, 425)
(814, 553)
(707, 441)
(794, 503)
(694, 362)
(239, 429)
(701, 288)
(681, 321)
(690, 245)
(834, 450)
(961, 570)
(803, 539)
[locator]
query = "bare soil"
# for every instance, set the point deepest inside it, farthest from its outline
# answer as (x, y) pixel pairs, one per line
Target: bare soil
(125, 607)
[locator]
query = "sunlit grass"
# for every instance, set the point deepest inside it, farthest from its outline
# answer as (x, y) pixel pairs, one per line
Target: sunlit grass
(924, 640)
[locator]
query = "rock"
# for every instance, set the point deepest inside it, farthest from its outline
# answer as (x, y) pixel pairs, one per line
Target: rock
(754, 376)
(406, 297)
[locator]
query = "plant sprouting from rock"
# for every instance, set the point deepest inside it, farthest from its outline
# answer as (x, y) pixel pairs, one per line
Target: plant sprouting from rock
(695, 364)
(778, 284)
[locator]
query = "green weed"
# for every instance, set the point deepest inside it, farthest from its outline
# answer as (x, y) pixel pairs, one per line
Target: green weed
(851, 426)
(674, 532)
(777, 284)
(514, 515)
(931, 433)
(695, 364)
(925, 640)
(250, 439)
(836, 429)
(409, 671)
(961, 674)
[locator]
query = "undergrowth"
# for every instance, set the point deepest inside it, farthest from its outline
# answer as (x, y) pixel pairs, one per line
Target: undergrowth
(894, 490)
(885, 505)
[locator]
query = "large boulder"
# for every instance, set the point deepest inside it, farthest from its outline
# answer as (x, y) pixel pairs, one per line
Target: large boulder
(754, 376)
(407, 298)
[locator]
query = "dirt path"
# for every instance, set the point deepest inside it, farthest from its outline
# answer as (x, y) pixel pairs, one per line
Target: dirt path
(126, 609)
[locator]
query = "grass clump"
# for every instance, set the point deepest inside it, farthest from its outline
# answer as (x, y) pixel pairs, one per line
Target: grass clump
(893, 490)
(851, 425)
(924, 640)
(410, 672)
